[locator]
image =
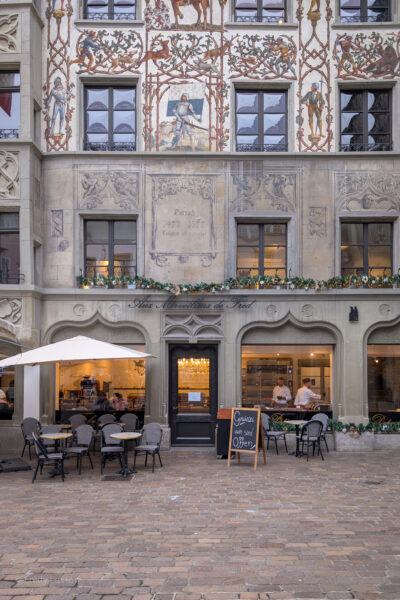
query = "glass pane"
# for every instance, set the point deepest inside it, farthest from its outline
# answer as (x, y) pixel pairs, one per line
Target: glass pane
(275, 103)
(247, 257)
(352, 256)
(97, 99)
(275, 140)
(246, 15)
(246, 3)
(275, 234)
(274, 3)
(246, 124)
(383, 377)
(352, 233)
(248, 235)
(193, 385)
(124, 122)
(9, 258)
(379, 256)
(99, 11)
(9, 110)
(9, 79)
(249, 141)
(380, 101)
(272, 272)
(97, 122)
(379, 233)
(274, 124)
(274, 256)
(97, 253)
(98, 138)
(124, 257)
(124, 99)
(380, 123)
(246, 102)
(352, 123)
(97, 231)
(351, 101)
(9, 221)
(125, 231)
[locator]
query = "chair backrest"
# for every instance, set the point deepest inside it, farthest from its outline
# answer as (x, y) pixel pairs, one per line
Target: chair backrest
(266, 421)
(106, 419)
(153, 433)
(106, 440)
(130, 420)
(323, 418)
(40, 448)
(312, 429)
(51, 429)
(84, 435)
(77, 420)
(30, 425)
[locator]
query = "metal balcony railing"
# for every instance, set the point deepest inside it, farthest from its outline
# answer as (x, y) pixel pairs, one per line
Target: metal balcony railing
(110, 146)
(261, 148)
(6, 277)
(9, 134)
(256, 19)
(375, 147)
(379, 18)
(111, 16)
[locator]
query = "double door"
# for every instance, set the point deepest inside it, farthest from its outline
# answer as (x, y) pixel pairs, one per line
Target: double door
(193, 394)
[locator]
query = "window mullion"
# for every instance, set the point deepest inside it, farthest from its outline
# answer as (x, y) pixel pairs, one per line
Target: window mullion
(111, 249)
(261, 266)
(110, 118)
(259, 11)
(261, 119)
(365, 244)
(365, 119)
(111, 9)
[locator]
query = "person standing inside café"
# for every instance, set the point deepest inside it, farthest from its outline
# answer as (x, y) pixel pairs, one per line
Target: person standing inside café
(305, 395)
(281, 393)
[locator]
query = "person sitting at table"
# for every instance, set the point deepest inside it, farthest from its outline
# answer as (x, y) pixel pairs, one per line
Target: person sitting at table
(118, 402)
(281, 393)
(305, 395)
(102, 403)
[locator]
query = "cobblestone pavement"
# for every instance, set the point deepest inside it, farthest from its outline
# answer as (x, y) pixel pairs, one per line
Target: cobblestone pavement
(195, 530)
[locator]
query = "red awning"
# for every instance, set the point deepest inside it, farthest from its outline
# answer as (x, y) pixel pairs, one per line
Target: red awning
(5, 103)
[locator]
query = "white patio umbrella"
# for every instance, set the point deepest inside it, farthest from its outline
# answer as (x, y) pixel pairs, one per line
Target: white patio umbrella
(72, 350)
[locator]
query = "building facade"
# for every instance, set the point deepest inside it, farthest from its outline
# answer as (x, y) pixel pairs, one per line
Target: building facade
(217, 183)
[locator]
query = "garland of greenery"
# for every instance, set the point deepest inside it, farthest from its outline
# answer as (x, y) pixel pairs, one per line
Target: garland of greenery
(375, 427)
(237, 283)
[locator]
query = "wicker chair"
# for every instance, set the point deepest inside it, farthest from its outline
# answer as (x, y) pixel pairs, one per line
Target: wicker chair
(324, 419)
(310, 435)
(153, 435)
(45, 457)
(84, 438)
(29, 426)
(271, 433)
(110, 448)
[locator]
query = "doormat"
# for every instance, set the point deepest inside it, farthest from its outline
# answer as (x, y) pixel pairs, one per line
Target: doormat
(13, 464)
(116, 478)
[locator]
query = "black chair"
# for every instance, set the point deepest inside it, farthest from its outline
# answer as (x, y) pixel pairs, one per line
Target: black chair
(28, 426)
(84, 438)
(324, 419)
(44, 457)
(110, 448)
(271, 432)
(310, 435)
(153, 435)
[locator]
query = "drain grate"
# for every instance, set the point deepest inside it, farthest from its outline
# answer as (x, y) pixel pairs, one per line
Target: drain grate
(116, 478)
(371, 482)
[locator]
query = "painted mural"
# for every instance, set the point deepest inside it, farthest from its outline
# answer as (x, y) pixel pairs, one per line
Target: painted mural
(187, 58)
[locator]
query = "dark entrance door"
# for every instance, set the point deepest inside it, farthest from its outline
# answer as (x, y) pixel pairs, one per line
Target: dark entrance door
(193, 394)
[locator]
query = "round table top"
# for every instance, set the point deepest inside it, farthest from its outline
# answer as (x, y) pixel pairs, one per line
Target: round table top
(65, 426)
(295, 422)
(125, 435)
(56, 436)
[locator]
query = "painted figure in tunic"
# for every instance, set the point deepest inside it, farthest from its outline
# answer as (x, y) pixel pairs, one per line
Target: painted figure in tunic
(86, 46)
(285, 55)
(315, 104)
(346, 45)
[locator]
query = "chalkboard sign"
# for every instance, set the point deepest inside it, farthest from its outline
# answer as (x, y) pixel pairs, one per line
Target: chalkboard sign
(246, 433)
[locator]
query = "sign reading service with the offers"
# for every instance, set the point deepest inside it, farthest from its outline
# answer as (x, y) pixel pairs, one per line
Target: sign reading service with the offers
(246, 433)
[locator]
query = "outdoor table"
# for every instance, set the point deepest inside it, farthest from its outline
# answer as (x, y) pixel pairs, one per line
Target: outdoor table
(125, 436)
(56, 437)
(65, 426)
(297, 424)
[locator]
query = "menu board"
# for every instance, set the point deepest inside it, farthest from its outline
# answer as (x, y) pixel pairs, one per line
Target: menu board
(246, 433)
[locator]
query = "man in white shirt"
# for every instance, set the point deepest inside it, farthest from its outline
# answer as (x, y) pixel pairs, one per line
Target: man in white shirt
(304, 394)
(281, 394)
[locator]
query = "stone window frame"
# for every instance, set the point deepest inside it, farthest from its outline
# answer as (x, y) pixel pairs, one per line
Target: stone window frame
(394, 14)
(273, 86)
(82, 20)
(12, 89)
(262, 269)
(365, 245)
(390, 84)
(373, 216)
(104, 81)
(259, 14)
(108, 215)
(364, 9)
(291, 221)
(110, 15)
(18, 277)
(289, 21)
